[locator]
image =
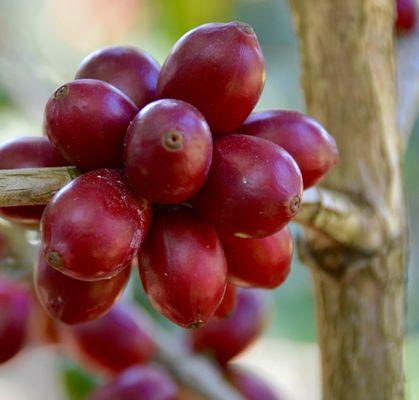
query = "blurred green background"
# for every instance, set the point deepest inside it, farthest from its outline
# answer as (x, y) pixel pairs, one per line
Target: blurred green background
(42, 43)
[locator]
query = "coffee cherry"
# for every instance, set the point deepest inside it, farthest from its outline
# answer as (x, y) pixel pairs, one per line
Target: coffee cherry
(119, 339)
(183, 268)
(168, 151)
(73, 301)
(228, 305)
(132, 71)
(14, 316)
(87, 120)
(262, 262)
(406, 16)
(218, 68)
(251, 386)
(253, 189)
(93, 227)
(226, 338)
(28, 152)
(302, 136)
(140, 382)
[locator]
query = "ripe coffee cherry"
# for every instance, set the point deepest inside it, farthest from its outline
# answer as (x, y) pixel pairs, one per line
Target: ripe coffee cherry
(218, 68)
(253, 189)
(132, 71)
(140, 382)
(14, 316)
(168, 151)
(228, 305)
(302, 136)
(262, 262)
(251, 386)
(28, 152)
(87, 120)
(73, 301)
(93, 227)
(183, 268)
(406, 16)
(112, 343)
(226, 338)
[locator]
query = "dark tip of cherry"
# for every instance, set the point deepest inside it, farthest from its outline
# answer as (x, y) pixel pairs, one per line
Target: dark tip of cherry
(196, 325)
(173, 140)
(295, 204)
(61, 92)
(54, 259)
(246, 28)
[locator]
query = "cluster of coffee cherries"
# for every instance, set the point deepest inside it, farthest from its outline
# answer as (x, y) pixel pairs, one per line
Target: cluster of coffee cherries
(177, 178)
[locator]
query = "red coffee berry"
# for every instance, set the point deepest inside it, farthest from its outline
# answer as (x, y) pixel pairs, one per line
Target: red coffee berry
(73, 301)
(119, 339)
(93, 227)
(262, 262)
(218, 68)
(251, 386)
(253, 189)
(132, 71)
(140, 382)
(168, 151)
(183, 268)
(406, 16)
(87, 120)
(302, 136)
(228, 305)
(28, 152)
(226, 338)
(14, 315)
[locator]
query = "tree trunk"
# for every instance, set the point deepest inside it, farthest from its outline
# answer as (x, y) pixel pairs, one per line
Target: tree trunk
(348, 77)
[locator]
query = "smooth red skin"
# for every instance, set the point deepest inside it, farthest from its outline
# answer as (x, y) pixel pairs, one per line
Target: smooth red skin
(262, 262)
(218, 68)
(159, 173)
(14, 316)
(251, 386)
(183, 268)
(95, 224)
(250, 188)
(118, 340)
(406, 16)
(72, 301)
(28, 152)
(228, 305)
(132, 71)
(313, 149)
(225, 339)
(140, 382)
(88, 125)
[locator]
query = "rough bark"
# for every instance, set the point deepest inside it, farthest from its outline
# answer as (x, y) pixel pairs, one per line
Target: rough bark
(348, 77)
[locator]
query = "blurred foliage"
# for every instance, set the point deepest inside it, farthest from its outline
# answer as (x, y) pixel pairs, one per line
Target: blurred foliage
(77, 381)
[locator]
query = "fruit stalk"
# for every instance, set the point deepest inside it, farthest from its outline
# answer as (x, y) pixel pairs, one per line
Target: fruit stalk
(349, 81)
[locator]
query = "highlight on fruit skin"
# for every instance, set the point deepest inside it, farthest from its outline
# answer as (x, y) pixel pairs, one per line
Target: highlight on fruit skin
(168, 151)
(225, 339)
(134, 72)
(86, 120)
(304, 138)
(254, 187)
(28, 152)
(139, 382)
(15, 302)
(261, 262)
(94, 226)
(228, 304)
(219, 69)
(182, 267)
(72, 301)
(108, 345)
